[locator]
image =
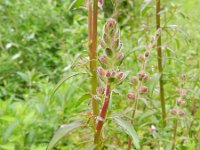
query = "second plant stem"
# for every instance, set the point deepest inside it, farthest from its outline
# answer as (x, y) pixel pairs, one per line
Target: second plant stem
(174, 134)
(160, 67)
(92, 35)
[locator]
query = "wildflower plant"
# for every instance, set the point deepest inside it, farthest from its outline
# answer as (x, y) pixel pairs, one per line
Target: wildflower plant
(108, 72)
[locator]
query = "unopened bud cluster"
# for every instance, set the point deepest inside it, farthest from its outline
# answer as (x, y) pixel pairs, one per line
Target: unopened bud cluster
(111, 45)
(112, 55)
(180, 102)
(111, 75)
(138, 80)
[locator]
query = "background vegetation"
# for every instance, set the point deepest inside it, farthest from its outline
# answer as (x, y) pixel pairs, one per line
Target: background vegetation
(42, 41)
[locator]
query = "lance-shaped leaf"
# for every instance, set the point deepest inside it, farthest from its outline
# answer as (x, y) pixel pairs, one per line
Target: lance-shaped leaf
(63, 131)
(63, 80)
(128, 128)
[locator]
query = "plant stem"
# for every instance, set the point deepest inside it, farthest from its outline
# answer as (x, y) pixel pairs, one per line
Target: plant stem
(174, 136)
(133, 115)
(160, 67)
(92, 35)
(102, 114)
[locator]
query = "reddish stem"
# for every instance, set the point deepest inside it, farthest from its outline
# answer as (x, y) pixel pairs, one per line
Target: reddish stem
(103, 113)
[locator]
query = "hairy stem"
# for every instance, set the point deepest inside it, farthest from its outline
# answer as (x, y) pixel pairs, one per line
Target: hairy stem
(92, 35)
(102, 115)
(160, 67)
(174, 134)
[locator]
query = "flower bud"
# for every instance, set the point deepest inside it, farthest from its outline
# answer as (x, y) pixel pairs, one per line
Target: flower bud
(101, 2)
(181, 113)
(179, 100)
(142, 75)
(134, 80)
(183, 103)
(113, 73)
(173, 111)
(146, 54)
(111, 25)
(132, 96)
(103, 59)
(109, 73)
(120, 75)
(177, 111)
(120, 56)
(181, 92)
(100, 90)
(141, 58)
(101, 72)
(143, 90)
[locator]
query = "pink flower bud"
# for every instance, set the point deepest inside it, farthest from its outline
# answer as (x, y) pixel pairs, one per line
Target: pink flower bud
(173, 111)
(100, 90)
(109, 74)
(134, 80)
(119, 56)
(177, 111)
(101, 72)
(101, 2)
(111, 23)
(119, 75)
(178, 100)
(111, 29)
(132, 96)
(181, 92)
(183, 103)
(181, 113)
(142, 75)
(141, 58)
(113, 73)
(103, 59)
(143, 90)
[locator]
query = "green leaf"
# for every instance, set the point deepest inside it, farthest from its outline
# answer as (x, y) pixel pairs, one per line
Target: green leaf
(154, 80)
(63, 80)
(145, 7)
(61, 132)
(134, 50)
(83, 98)
(128, 128)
